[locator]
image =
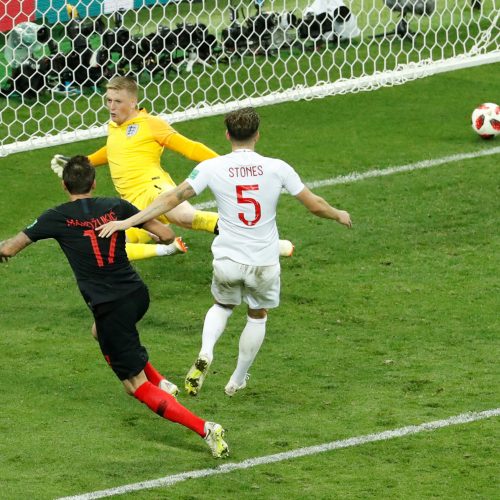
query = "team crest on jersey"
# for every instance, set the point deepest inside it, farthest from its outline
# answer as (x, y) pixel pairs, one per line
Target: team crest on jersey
(194, 174)
(132, 130)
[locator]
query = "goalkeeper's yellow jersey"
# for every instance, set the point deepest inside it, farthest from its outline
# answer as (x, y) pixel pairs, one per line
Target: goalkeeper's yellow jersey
(133, 151)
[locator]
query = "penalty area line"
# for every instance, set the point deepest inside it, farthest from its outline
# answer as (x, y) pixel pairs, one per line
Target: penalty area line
(463, 418)
(378, 172)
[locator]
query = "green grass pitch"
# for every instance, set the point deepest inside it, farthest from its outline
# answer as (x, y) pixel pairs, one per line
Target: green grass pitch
(391, 324)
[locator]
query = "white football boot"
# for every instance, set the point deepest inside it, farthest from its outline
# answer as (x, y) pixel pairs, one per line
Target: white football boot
(168, 387)
(214, 436)
(232, 387)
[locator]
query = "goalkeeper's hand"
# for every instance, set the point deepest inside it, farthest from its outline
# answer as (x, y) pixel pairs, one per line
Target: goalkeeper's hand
(58, 163)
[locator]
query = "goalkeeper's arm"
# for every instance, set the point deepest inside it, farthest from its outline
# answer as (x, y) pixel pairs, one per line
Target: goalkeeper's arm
(58, 162)
(192, 150)
(167, 136)
(100, 157)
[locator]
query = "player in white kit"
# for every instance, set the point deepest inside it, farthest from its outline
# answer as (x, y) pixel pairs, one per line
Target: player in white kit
(246, 264)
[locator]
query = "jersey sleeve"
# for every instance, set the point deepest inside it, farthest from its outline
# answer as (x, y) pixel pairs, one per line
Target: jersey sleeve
(100, 157)
(291, 180)
(192, 150)
(198, 178)
(42, 228)
(165, 135)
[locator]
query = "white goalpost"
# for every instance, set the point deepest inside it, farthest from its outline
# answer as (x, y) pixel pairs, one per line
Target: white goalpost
(200, 58)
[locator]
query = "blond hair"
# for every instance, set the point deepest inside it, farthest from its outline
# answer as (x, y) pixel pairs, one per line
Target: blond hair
(124, 83)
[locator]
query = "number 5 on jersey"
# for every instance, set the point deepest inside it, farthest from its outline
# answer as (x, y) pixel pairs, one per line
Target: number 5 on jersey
(252, 201)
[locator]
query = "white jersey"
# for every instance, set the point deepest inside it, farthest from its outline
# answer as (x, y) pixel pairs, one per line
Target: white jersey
(246, 187)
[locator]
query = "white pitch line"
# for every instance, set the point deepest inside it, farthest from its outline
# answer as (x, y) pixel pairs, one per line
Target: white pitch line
(359, 176)
(346, 443)
(464, 418)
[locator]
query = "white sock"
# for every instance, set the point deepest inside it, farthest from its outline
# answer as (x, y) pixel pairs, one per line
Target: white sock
(215, 324)
(250, 341)
(162, 250)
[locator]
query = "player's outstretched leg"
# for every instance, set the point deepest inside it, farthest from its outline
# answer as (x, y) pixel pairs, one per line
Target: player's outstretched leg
(141, 245)
(205, 221)
(139, 251)
(168, 407)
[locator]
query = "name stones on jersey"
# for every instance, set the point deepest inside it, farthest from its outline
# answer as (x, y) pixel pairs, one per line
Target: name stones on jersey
(246, 171)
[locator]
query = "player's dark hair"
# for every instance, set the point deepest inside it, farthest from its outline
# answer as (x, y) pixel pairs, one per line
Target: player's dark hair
(78, 175)
(242, 124)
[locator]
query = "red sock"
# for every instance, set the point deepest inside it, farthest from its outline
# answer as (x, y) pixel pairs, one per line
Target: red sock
(168, 407)
(152, 374)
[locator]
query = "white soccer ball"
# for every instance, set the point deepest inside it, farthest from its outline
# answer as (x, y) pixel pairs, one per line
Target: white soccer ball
(486, 120)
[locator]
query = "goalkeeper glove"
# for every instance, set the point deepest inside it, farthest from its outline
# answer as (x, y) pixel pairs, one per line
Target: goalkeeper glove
(58, 163)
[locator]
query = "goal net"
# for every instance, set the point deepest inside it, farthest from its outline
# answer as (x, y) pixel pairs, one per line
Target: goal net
(198, 58)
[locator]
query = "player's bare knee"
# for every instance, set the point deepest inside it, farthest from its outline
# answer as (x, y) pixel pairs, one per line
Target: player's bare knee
(94, 332)
(257, 313)
(129, 387)
(132, 384)
(182, 215)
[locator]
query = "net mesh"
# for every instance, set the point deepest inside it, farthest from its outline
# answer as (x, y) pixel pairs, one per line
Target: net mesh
(195, 59)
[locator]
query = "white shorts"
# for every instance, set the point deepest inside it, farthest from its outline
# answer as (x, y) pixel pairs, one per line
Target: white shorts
(258, 286)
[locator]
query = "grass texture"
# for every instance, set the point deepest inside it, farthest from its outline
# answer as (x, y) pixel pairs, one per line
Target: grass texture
(393, 323)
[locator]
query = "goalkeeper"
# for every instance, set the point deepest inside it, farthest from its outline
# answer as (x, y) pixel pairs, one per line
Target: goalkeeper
(133, 151)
